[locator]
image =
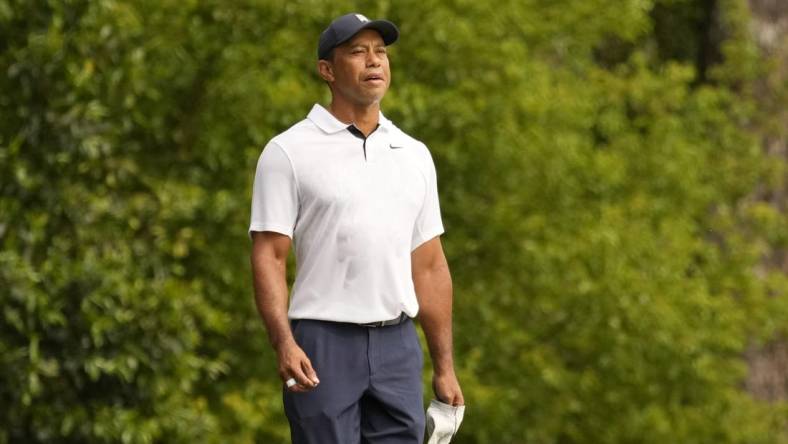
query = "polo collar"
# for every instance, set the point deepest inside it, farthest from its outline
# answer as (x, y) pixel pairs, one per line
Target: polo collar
(331, 125)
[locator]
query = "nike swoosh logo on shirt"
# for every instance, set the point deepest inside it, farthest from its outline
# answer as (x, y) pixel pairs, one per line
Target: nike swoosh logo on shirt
(395, 147)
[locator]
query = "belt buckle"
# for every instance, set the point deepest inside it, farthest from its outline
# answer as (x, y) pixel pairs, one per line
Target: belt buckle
(371, 324)
(383, 323)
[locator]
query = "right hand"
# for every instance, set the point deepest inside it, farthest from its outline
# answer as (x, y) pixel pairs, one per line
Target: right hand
(293, 363)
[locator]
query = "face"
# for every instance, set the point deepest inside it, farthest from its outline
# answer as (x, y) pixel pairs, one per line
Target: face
(359, 71)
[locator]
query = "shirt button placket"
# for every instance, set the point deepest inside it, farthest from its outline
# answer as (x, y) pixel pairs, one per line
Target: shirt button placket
(370, 147)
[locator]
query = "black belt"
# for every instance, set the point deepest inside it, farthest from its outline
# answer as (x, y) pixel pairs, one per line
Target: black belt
(398, 320)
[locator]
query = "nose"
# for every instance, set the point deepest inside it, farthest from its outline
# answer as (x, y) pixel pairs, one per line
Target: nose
(373, 58)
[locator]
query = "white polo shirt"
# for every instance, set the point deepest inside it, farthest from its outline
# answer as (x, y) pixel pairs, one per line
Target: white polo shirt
(355, 210)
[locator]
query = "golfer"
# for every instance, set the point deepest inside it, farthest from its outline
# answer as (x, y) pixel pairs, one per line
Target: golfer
(358, 199)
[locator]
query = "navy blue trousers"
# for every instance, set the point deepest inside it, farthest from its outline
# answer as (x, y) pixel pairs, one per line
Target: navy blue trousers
(370, 387)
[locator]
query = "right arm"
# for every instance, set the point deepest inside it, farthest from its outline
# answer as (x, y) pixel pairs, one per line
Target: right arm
(269, 266)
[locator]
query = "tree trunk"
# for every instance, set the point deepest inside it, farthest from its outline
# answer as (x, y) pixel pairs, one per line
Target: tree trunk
(768, 375)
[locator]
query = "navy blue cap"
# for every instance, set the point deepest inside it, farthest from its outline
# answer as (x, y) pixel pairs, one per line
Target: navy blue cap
(345, 27)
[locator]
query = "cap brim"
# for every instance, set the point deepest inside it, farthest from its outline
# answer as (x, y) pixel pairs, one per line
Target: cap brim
(387, 30)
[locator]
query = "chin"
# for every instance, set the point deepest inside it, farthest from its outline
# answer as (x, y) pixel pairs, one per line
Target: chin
(371, 99)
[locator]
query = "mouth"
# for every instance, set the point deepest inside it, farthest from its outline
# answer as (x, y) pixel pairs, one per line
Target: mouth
(374, 78)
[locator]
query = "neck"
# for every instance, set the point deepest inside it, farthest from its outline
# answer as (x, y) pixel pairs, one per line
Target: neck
(364, 117)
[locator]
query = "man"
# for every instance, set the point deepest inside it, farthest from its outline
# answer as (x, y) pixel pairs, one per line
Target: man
(358, 197)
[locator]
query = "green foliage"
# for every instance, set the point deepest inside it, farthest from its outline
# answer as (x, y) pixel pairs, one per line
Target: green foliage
(603, 245)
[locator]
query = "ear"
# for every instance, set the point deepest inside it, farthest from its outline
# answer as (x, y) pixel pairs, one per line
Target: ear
(326, 70)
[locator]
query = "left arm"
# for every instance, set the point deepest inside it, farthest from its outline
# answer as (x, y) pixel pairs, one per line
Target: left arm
(432, 281)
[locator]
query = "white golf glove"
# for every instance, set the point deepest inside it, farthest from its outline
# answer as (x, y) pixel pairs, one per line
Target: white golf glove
(443, 421)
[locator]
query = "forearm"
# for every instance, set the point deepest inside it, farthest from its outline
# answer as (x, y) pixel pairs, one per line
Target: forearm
(434, 292)
(270, 287)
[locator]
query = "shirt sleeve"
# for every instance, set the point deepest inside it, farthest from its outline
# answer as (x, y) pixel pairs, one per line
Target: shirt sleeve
(274, 193)
(428, 222)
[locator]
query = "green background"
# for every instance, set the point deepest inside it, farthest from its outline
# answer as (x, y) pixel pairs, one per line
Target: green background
(601, 172)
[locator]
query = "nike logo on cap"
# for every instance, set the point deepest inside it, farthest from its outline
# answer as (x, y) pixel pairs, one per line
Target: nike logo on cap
(361, 18)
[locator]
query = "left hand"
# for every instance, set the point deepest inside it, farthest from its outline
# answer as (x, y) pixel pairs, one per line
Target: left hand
(447, 388)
